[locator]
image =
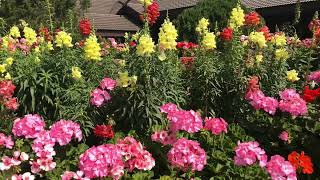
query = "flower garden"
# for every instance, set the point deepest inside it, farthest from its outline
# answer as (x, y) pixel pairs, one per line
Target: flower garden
(240, 103)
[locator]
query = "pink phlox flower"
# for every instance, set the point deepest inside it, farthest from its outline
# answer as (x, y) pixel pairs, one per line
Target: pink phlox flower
(248, 153)
(216, 125)
(69, 175)
(164, 137)
(284, 136)
(189, 121)
(29, 126)
(279, 168)
(64, 130)
(6, 141)
(8, 162)
(314, 76)
(108, 84)
(292, 103)
(98, 97)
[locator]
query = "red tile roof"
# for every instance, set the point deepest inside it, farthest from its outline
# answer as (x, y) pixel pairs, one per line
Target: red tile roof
(257, 4)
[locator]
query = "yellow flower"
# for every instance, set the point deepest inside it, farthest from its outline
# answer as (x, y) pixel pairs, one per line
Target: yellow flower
(280, 40)
(63, 39)
(9, 61)
(125, 81)
(30, 35)
(15, 32)
(92, 48)
(37, 60)
(292, 76)
(258, 37)
(2, 68)
(146, 2)
(76, 72)
(168, 36)
(209, 40)
(37, 49)
(145, 46)
(122, 62)
(50, 46)
(237, 17)
(7, 76)
(202, 26)
(282, 54)
(162, 56)
(259, 58)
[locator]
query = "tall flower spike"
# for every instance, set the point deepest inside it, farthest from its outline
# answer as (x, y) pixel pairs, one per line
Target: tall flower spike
(168, 35)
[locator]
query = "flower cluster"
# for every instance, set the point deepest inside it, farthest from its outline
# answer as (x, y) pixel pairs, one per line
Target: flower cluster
(125, 81)
(301, 161)
(237, 18)
(227, 34)
(63, 39)
(29, 126)
(146, 2)
(279, 168)
(145, 45)
(76, 72)
(25, 176)
(279, 39)
(252, 19)
(104, 131)
(209, 40)
(100, 95)
(153, 13)
(258, 38)
(284, 136)
(292, 76)
(44, 32)
(69, 175)
(16, 160)
(164, 137)
(92, 48)
(168, 36)
(14, 32)
(202, 26)
(85, 27)
(314, 76)
(281, 54)
(63, 131)
(6, 95)
(248, 153)
(6, 141)
(30, 35)
(216, 125)
(186, 154)
(186, 45)
(310, 95)
(292, 103)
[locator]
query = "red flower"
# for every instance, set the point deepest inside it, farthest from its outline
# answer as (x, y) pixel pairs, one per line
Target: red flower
(133, 44)
(44, 32)
(11, 104)
(266, 32)
(180, 45)
(252, 19)
(314, 24)
(317, 33)
(227, 34)
(85, 27)
(301, 160)
(7, 89)
(187, 61)
(104, 131)
(153, 13)
(310, 95)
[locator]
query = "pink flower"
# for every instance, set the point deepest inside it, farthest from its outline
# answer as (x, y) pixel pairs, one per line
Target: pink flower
(248, 153)
(43, 145)
(164, 137)
(134, 154)
(63, 131)
(29, 126)
(6, 141)
(68, 175)
(186, 154)
(11, 104)
(189, 121)
(168, 108)
(314, 76)
(108, 84)
(25, 176)
(292, 103)
(259, 101)
(279, 168)
(7, 89)
(98, 97)
(270, 105)
(8, 162)
(216, 125)
(102, 161)
(284, 136)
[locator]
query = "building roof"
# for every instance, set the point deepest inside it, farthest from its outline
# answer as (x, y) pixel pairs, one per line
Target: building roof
(176, 4)
(258, 4)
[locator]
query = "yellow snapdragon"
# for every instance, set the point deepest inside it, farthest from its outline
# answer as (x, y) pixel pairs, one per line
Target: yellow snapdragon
(30, 35)
(124, 80)
(145, 45)
(8, 76)
(202, 26)
(92, 48)
(281, 54)
(76, 72)
(14, 32)
(279, 40)
(2, 68)
(258, 38)
(63, 39)
(9, 61)
(209, 40)
(292, 76)
(146, 2)
(237, 17)
(168, 35)
(259, 58)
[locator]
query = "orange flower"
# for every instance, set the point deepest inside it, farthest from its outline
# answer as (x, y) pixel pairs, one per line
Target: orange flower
(301, 161)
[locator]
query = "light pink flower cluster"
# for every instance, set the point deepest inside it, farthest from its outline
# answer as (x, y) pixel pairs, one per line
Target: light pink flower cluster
(216, 125)
(284, 136)
(314, 76)
(164, 137)
(6, 141)
(134, 154)
(25, 176)
(63, 131)
(292, 103)
(102, 161)
(189, 121)
(16, 160)
(69, 175)
(100, 95)
(186, 154)
(259, 101)
(279, 168)
(248, 153)
(29, 126)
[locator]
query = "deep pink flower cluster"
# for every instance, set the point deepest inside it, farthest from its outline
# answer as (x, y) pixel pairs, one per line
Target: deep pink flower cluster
(216, 125)
(259, 101)
(6, 95)
(6, 141)
(248, 153)
(68, 175)
(292, 103)
(279, 168)
(102, 161)
(8, 162)
(29, 126)
(189, 121)
(186, 154)
(314, 76)
(63, 131)
(164, 137)
(284, 136)
(100, 95)
(134, 154)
